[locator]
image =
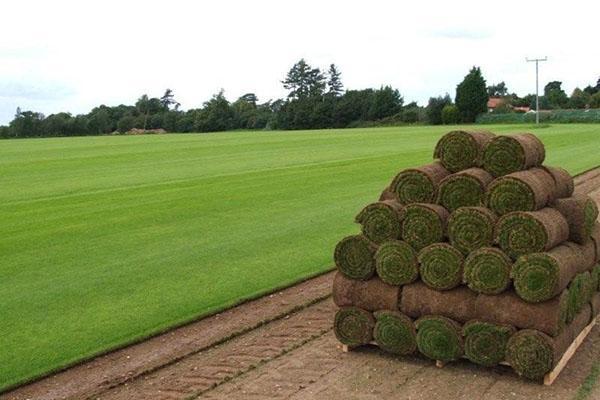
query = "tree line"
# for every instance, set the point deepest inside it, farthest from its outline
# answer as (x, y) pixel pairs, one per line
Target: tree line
(316, 99)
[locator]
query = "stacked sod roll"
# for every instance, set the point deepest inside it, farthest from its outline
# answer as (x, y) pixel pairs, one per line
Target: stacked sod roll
(484, 253)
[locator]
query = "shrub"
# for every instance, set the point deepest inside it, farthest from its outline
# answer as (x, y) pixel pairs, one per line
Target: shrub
(450, 114)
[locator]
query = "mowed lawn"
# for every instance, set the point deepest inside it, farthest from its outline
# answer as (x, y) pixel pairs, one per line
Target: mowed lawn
(106, 240)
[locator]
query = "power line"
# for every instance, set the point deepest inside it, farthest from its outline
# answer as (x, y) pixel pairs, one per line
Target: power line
(537, 98)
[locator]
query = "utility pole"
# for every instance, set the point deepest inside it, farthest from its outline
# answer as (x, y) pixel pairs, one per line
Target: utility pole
(537, 98)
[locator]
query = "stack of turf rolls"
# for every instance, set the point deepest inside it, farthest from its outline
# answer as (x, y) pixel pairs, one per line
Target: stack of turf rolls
(484, 253)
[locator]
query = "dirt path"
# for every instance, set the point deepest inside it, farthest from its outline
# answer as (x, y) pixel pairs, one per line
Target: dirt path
(281, 346)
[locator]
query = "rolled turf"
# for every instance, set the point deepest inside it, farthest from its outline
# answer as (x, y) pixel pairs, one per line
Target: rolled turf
(533, 354)
(423, 224)
(595, 277)
(521, 191)
(580, 293)
(595, 303)
(371, 295)
(459, 150)
(564, 184)
(541, 276)
(487, 270)
(354, 257)
(524, 232)
(353, 326)
(506, 154)
(464, 189)
(387, 194)
(508, 309)
(470, 228)
(439, 338)
(418, 185)
(441, 266)
(395, 332)
(485, 342)
(396, 263)
(581, 212)
(418, 299)
(595, 235)
(380, 221)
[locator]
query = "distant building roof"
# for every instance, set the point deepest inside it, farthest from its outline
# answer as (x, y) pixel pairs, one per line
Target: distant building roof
(494, 102)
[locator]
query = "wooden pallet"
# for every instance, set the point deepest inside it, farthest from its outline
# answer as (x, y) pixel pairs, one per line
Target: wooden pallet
(551, 376)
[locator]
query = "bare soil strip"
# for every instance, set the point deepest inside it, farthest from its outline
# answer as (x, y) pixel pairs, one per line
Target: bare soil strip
(281, 346)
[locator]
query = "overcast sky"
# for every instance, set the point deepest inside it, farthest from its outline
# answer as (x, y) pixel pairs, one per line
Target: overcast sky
(74, 55)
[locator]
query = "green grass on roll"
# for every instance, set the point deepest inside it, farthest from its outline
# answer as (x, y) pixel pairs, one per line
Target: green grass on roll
(459, 150)
(506, 154)
(590, 216)
(441, 266)
(353, 326)
(396, 263)
(527, 190)
(464, 189)
(470, 228)
(354, 257)
(418, 185)
(395, 332)
(580, 293)
(424, 224)
(439, 338)
(524, 232)
(530, 353)
(485, 343)
(595, 278)
(487, 270)
(380, 221)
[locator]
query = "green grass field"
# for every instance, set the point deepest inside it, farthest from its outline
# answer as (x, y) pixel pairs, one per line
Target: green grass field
(106, 240)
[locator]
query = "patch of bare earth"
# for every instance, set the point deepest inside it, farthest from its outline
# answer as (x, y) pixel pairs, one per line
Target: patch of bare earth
(281, 346)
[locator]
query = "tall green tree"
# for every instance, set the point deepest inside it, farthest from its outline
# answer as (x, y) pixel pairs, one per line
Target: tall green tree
(386, 102)
(471, 96)
(555, 95)
(303, 81)
(216, 115)
(579, 99)
(434, 108)
(334, 81)
(168, 99)
(497, 90)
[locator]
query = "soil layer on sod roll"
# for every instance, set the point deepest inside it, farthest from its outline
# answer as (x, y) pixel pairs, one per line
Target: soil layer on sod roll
(540, 276)
(485, 342)
(394, 332)
(380, 221)
(595, 272)
(464, 189)
(470, 228)
(418, 185)
(581, 212)
(371, 295)
(459, 150)
(396, 263)
(508, 309)
(387, 194)
(528, 190)
(354, 257)
(580, 293)
(524, 232)
(353, 326)
(418, 299)
(595, 236)
(441, 266)
(439, 338)
(487, 270)
(506, 154)
(533, 354)
(564, 184)
(424, 224)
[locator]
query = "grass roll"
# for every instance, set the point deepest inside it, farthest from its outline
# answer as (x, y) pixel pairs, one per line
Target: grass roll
(395, 332)
(371, 295)
(418, 185)
(580, 293)
(595, 303)
(396, 263)
(541, 276)
(354, 257)
(595, 277)
(459, 150)
(595, 235)
(564, 184)
(581, 212)
(485, 343)
(524, 232)
(508, 309)
(353, 326)
(423, 224)
(418, 299)
(439, 338)
(380, 221)
(487, 270)
(464, 189)
(533, 354)
(387, 194)
(506, 154)
(520, 191)
(441, 266)
(470, 228)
